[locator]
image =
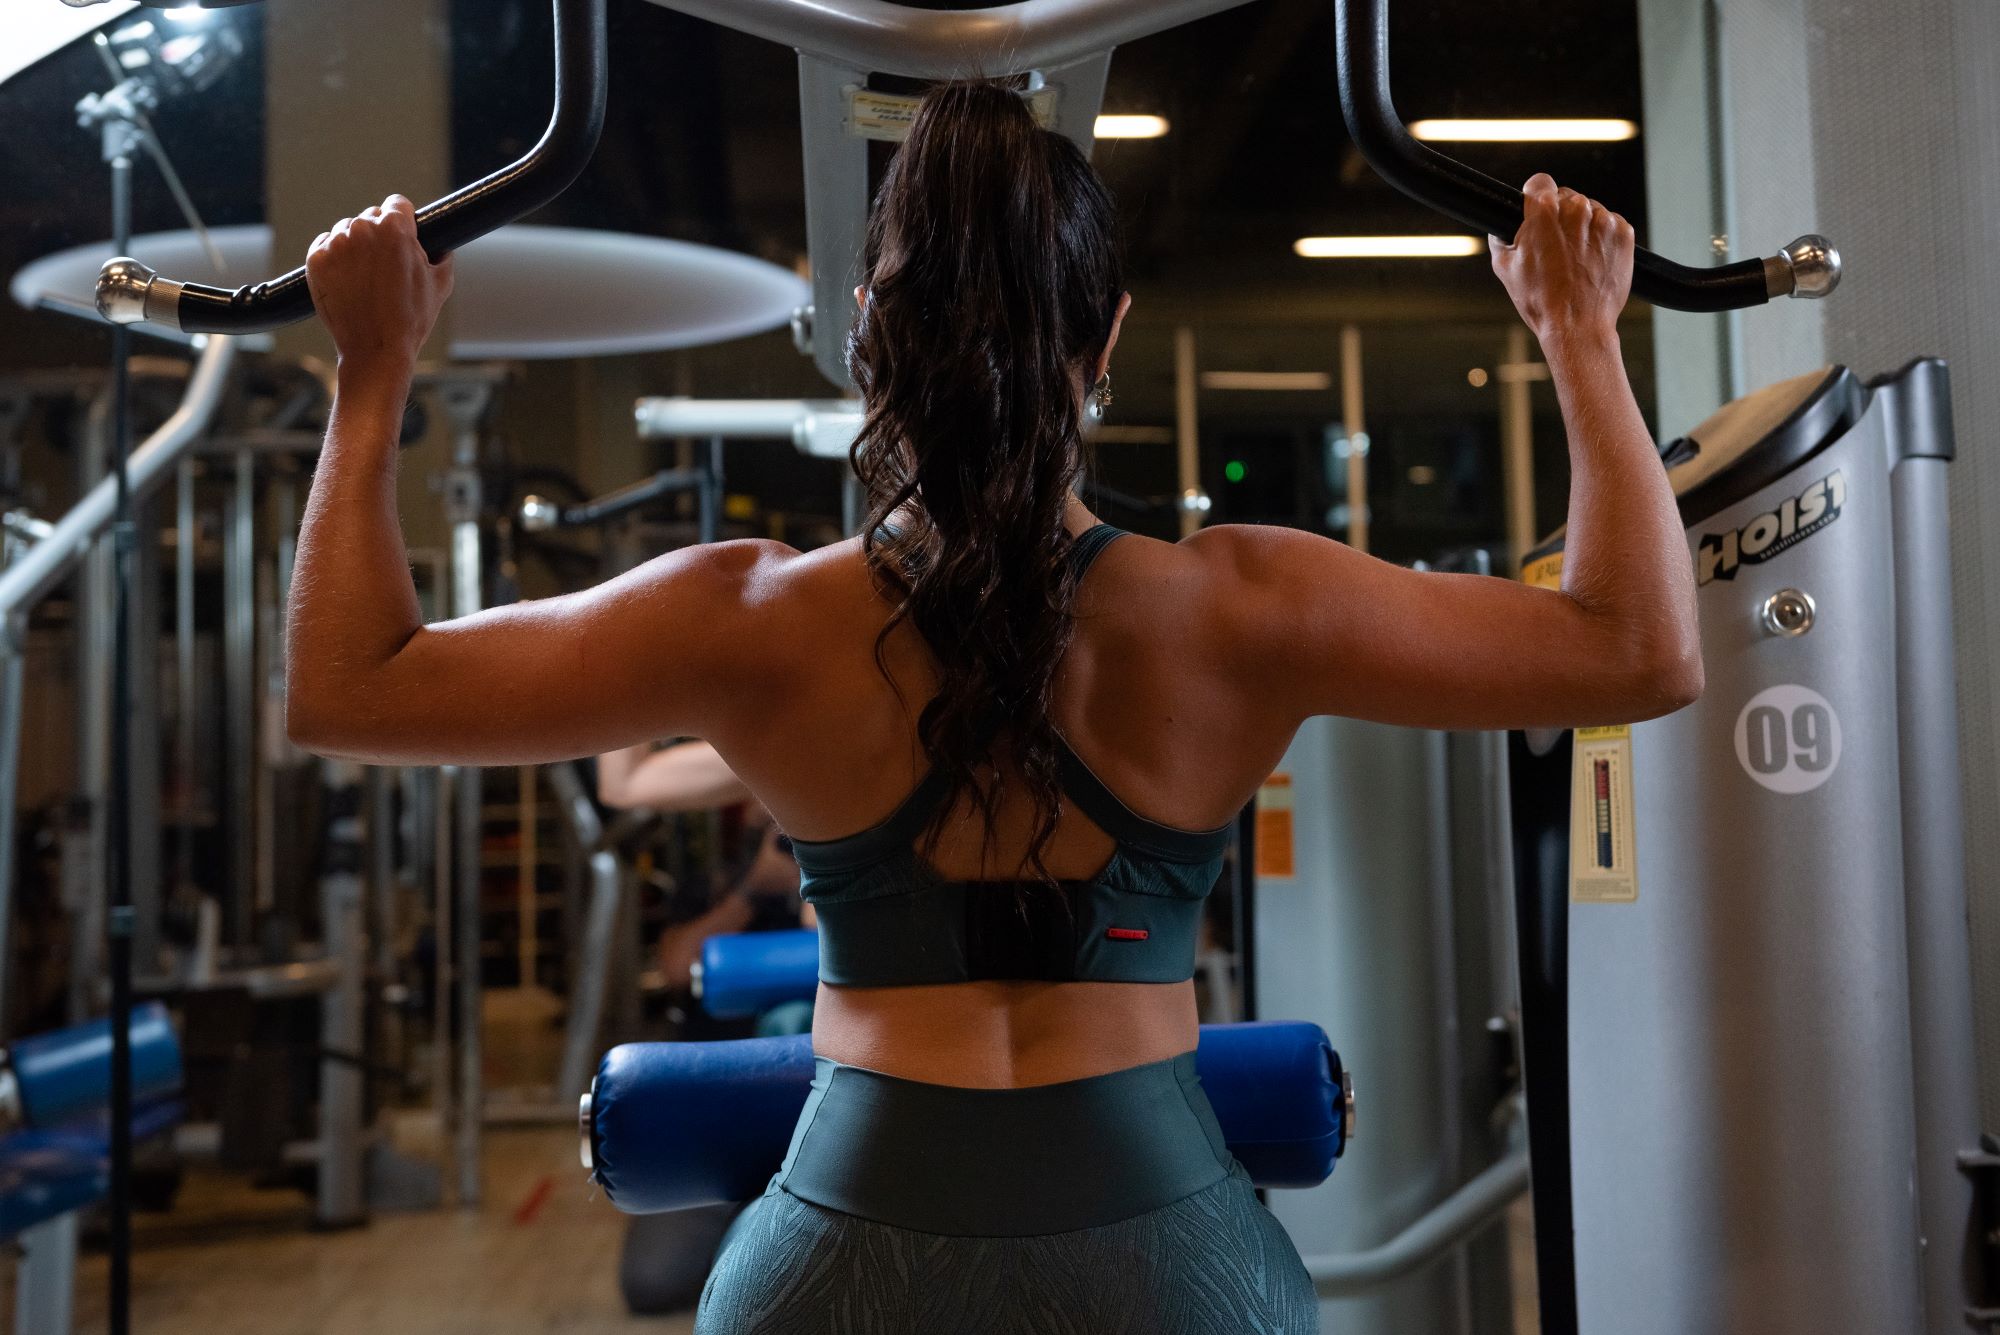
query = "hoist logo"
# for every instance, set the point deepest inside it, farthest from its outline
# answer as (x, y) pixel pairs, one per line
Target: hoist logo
(1772, 532)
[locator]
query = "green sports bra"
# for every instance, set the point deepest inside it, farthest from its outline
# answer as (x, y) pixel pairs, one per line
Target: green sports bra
(887, 919)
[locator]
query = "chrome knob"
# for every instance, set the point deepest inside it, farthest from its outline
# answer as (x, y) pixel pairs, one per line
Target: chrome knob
(123, 288)
(585, 1125)
(539, 514)
(1789, 612)
(1814, 265)
(1346, 1108)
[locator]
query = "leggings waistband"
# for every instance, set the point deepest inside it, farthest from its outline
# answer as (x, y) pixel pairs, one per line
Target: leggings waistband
(1004, 1162)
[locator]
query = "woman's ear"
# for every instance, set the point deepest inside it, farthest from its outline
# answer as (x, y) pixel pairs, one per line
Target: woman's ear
(861, 296)
(1117, 323)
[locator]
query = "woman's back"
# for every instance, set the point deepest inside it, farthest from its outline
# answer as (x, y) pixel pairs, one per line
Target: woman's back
(1147, 697)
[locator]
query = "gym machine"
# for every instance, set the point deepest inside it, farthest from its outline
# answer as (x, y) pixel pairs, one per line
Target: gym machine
(54, 1134)
(1721, 907)
(1064, 46)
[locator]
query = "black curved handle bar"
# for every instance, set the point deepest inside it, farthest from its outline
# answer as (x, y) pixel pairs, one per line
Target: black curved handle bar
(128, 292)
(1809, 267)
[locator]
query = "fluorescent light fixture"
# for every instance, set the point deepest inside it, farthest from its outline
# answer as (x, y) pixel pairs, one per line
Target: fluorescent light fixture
(1131, 127)
(1387, 247)
(1582, 130)
(1267, 380)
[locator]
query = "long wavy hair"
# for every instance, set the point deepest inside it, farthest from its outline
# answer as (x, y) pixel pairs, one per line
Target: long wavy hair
(992, 279)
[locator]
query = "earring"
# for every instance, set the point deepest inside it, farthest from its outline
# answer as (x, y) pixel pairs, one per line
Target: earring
(1100, 397)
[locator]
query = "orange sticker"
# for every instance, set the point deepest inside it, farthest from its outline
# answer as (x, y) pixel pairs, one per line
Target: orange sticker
(1274, 827)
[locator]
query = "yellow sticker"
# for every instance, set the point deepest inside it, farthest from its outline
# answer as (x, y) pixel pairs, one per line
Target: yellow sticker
(887, 116)
(1275, 854)
(1603, 851)
(1544, 572)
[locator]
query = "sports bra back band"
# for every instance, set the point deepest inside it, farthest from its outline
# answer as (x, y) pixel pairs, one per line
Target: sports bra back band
(888, 919)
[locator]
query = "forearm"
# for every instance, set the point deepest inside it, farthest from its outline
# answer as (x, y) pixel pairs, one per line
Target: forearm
(1625, 556)
(688, 777)
(353, 606)
(614, 774)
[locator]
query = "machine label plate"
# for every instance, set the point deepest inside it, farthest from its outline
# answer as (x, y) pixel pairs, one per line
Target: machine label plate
(1275, 853)
(872, 114)
(1603, 861)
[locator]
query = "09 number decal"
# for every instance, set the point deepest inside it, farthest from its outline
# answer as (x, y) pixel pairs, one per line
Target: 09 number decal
(1788, 739)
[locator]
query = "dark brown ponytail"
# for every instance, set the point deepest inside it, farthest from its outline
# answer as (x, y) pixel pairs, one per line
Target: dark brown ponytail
(992, 279)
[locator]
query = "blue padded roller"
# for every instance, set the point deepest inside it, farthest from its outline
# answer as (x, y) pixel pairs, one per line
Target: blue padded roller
(747, 973)
(48, 1173)
(670, 1126)
(66, 1074)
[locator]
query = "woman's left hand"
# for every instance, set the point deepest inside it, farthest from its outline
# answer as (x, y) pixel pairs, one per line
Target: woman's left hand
(376, 291)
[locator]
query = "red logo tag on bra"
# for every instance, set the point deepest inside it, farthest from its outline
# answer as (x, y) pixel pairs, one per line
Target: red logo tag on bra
(1127, 933)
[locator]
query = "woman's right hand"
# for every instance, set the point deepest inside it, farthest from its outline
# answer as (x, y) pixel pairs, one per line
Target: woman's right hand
(1569, 270)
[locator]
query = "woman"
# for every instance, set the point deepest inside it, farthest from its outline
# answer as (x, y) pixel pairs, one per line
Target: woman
(1005, 1134)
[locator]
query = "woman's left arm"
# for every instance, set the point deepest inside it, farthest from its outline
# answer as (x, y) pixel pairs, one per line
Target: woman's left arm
(657, 652)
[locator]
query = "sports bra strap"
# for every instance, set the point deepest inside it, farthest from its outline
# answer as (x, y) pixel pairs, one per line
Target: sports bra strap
(1088, 545)
(1108, 812)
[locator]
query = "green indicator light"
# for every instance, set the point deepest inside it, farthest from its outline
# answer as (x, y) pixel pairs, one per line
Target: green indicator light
(1234, 470)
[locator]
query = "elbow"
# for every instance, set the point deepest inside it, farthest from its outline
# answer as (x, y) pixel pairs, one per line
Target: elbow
(318, 724)
(307, 724)
(1666, 679)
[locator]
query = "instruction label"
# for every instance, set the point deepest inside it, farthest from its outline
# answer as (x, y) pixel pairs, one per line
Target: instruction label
(1276, 855)
(1603, 854)
(888, 116)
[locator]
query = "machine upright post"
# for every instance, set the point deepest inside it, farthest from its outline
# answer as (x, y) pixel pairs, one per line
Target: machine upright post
(1941, 1011)
(836, 205)
(239, 650)
(186, 540)
(466, 398)
(593, 973)
(13, 680)
(342, 1194)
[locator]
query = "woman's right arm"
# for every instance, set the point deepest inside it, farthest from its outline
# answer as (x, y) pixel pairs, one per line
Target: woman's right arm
(1325, 629)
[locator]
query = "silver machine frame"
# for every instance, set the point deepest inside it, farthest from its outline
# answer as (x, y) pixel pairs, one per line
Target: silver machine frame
(44, 565)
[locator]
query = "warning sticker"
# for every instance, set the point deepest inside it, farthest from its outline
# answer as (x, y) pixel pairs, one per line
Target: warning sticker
(1603, 865)
(1544, 572)
(1275, 854)
(887, 116)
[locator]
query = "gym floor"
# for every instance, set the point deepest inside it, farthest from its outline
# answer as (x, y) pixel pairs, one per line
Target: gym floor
(540, 1257)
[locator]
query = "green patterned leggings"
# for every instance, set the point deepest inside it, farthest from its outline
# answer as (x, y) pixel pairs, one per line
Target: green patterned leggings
(1099, 1207)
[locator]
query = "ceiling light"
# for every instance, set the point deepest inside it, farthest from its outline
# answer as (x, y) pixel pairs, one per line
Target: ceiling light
(1131, 127)
(1387, 247)
(1584, 130)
